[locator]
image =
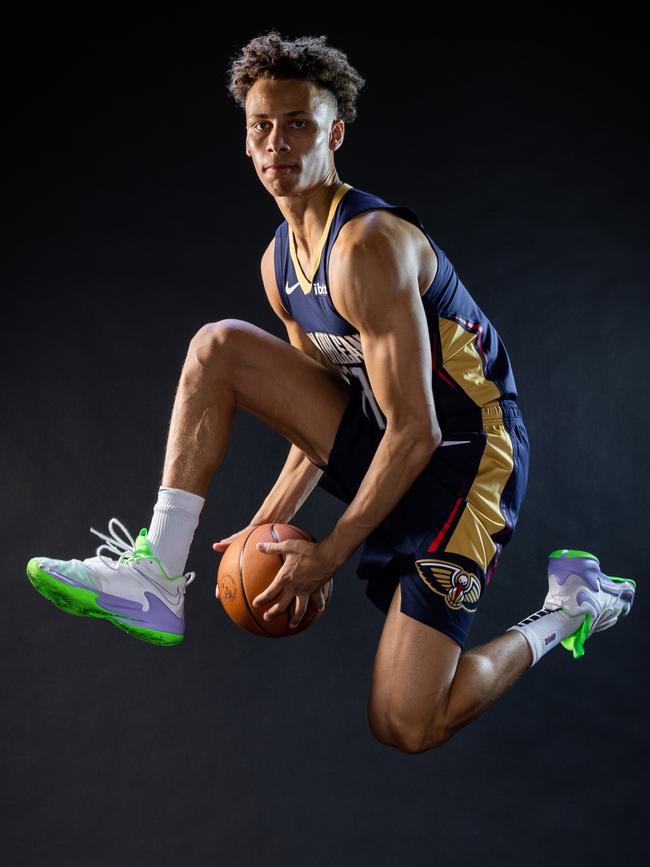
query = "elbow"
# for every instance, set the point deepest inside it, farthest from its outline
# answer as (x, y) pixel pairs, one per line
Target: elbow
(429, 441)
(427, 436)
(421, 441)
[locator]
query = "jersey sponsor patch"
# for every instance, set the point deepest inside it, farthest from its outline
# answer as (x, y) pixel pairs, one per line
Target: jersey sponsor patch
(459, 588)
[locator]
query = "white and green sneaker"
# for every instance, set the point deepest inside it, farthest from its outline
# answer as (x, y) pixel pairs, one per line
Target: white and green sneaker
(134, 592)
(576, 585)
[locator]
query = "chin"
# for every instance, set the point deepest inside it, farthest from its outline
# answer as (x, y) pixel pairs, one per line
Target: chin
(283, 186)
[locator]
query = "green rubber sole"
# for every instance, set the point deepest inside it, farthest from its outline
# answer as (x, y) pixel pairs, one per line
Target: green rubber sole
(572, 553)
(83, 603)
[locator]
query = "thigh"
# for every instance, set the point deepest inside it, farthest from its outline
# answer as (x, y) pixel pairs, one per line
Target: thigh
(278, 383)
(448, 533)
(413, 670)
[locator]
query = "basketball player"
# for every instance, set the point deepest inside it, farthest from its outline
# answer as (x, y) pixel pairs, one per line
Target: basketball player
(397, 396)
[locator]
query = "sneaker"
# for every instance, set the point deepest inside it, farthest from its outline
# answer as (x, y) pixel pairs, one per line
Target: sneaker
(576, 584)
(134, 592)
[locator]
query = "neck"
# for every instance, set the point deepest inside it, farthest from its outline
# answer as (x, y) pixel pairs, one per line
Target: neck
(307, 214)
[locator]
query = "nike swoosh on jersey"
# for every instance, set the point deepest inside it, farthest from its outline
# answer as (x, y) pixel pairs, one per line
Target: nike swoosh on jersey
(454, 442)
(289, 289)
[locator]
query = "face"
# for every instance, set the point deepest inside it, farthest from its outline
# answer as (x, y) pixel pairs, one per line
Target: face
(289, 123)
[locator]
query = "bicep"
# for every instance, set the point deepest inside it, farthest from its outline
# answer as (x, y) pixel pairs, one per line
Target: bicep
(382, 299)
(399, 365)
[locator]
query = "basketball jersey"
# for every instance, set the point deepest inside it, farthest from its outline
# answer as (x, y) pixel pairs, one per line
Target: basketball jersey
(470, 364)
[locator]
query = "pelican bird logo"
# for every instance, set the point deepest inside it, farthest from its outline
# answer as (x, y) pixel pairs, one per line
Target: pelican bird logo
(460, 589)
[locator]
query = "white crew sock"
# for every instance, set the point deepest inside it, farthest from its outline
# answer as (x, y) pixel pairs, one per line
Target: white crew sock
(544, 629)
(175, 518)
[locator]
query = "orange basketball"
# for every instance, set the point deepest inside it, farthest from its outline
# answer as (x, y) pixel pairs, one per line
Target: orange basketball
(245, 572)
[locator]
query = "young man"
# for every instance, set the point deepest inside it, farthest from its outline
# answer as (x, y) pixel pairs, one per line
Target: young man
(398, 397)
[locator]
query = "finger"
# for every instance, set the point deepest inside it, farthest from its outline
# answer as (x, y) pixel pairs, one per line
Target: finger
(278, 608)
(299, 610)
(319, 599)
(276, 586)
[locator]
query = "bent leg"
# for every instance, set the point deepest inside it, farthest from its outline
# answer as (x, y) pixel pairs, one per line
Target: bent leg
(233, 364)
(424, 689)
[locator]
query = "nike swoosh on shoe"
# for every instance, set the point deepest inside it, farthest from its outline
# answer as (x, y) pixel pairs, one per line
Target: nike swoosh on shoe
(172, 597)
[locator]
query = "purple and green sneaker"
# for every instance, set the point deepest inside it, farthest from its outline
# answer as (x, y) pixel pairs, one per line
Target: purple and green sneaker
(134, 592)
(576, 585)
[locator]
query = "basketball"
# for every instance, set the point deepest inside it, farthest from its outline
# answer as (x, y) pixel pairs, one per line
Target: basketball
(244, 572)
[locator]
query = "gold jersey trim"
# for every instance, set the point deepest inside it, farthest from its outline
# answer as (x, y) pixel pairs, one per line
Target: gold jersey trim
(305, 282)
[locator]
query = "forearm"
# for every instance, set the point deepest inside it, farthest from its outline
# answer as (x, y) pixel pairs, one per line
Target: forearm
(296, 481)
(397, 462)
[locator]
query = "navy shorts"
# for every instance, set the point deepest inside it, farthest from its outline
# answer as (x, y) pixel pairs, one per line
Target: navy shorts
(443, 539)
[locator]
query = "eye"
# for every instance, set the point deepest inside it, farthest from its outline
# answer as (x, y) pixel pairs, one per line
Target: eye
(260, 123)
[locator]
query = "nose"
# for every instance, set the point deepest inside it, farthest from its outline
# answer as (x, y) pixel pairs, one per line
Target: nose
(276, 142)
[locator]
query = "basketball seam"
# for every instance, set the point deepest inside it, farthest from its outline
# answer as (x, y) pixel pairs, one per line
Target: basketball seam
(243, 589)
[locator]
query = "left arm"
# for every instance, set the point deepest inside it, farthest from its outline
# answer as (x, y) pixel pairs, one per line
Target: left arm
(373, 281)
(374, 284)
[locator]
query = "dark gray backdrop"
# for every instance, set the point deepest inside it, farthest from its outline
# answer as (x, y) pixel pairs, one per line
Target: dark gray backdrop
(134, 219)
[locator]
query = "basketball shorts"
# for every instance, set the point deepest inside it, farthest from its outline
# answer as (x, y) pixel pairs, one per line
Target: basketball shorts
(443, 539)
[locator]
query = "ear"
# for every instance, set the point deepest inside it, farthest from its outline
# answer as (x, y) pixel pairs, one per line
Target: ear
(337, 134)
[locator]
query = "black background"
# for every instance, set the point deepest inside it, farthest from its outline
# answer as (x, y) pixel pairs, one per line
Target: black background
(134, 218)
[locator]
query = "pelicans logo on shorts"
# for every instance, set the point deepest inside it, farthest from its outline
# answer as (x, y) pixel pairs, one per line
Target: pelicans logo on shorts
(460, 589)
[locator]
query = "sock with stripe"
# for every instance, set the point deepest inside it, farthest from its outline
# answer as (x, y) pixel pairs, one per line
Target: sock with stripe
(175, 518)
(544, 629)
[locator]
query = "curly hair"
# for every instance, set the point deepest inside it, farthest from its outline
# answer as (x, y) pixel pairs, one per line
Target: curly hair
(308, 58)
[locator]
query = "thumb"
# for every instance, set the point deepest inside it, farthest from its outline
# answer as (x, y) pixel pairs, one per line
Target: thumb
(273, 547)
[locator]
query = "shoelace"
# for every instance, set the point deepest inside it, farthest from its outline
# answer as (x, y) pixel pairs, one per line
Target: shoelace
(125, 549)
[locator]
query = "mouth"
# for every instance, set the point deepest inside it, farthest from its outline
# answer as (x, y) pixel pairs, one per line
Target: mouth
(280, 168)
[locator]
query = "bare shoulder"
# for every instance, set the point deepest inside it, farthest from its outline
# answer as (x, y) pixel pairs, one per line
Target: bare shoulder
(270, 284)
(268, 264)
(376, 223)
(386, 237)
(371, 238)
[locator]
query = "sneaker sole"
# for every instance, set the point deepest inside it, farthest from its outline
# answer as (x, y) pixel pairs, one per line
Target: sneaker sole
(83, 603)
(600, 582)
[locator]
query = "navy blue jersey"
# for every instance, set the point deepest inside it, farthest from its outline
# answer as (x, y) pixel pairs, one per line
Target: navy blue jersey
(470, 364)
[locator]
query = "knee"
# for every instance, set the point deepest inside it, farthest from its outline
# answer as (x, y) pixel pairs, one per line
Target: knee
(405, 735)
(213, 339)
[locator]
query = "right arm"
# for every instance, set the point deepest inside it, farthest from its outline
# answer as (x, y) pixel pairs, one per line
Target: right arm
(299, 476)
